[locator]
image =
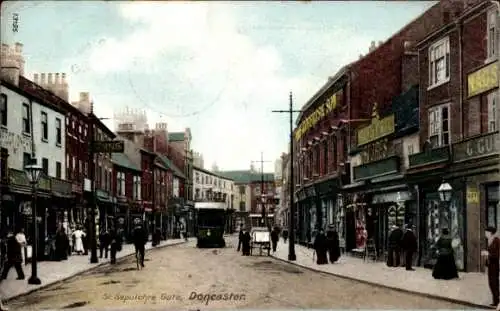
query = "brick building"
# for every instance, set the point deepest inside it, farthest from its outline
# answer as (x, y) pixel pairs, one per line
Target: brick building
(459, 134)
(327, 128)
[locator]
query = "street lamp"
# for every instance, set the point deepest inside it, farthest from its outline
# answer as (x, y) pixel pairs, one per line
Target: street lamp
(33, 172)
(445, 191)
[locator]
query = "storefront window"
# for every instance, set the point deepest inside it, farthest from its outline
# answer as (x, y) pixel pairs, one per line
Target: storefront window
(492, 206)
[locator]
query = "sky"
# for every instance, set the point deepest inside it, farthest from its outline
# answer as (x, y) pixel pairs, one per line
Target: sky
(219, 68)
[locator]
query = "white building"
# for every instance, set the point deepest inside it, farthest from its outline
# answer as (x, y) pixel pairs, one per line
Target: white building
(209, 186)
(29, 125)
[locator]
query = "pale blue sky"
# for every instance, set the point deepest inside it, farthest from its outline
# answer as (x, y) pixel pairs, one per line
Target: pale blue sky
(218, 68)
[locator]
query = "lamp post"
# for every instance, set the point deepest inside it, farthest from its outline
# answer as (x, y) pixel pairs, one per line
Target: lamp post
(33, 172)
(445, 192)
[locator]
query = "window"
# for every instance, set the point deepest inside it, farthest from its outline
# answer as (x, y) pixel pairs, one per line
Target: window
(492, 201)
(26, 159)
(491, 34)
(439, 125)
(45, 166)
(410, 149)
(439, 62)
(3, 110)
(26, 119)
(58, 132)
(317, 162)
(4, 166)
(325, 157)
(120, 184)
(137, 188)
(45, 127)
(492, 112)
(58, 170)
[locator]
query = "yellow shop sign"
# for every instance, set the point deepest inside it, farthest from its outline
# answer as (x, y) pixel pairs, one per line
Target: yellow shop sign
(377, 129)
(316, 116)
(483, 80)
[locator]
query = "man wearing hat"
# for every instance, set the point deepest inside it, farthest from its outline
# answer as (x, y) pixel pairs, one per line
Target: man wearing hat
(409, 245)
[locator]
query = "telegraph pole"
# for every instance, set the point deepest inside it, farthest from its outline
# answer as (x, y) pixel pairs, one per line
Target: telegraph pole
(291, 224)
(93, 203)
(264, 214)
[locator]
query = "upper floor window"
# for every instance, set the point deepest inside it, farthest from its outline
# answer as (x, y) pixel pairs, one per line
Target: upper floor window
(45, 166)
(492, 112)
(439, 62)
(3, 110)
(439, 125)
(26, 119)
(491, 34)
(45, 126)
(120, 184)
(58, 131)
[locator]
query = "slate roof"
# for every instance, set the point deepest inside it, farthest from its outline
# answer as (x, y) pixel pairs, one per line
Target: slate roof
(122, 160)
(210, 173)
(169, 164)
(176, 136)
(246, 176)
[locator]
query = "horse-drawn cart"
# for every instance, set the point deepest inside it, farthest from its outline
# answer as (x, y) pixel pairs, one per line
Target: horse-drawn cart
(261, 239)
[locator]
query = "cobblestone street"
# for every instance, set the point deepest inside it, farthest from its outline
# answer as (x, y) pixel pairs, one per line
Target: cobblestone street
(173, 274)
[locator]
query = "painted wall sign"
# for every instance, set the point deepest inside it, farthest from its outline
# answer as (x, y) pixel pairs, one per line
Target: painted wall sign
(472, 196)
(475, 148)
(377, 129)
(375, 151)
(316, 116)
(18, 143)
(482, 80)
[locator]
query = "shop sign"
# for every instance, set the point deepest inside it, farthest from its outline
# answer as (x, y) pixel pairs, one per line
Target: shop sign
(375, 151)
(377, 129)
(61, 186)
(476, 148)
(482, 80)
(317, 115)
(18, 143)
(44, 183)
(472, 196)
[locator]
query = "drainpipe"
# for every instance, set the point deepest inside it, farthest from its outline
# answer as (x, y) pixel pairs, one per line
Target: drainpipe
(459, 25)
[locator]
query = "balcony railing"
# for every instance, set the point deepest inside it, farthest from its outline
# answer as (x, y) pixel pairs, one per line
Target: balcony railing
(432, 156)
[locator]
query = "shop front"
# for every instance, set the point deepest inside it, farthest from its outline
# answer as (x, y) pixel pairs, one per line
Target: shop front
(302, 207)
(327, 198)
(105, 206)
(61, 207)
(474, 175)
(77, 211)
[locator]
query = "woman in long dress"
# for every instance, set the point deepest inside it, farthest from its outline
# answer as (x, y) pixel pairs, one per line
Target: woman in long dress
(321, 247)
(445, 267)
(79, 234)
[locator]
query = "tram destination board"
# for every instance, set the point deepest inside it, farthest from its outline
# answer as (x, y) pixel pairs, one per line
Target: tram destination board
(113, 146)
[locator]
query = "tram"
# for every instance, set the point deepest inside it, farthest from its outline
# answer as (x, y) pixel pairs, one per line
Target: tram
(210, 224)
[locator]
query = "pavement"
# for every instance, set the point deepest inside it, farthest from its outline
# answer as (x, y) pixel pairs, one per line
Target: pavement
(51, 272)
(470, 289)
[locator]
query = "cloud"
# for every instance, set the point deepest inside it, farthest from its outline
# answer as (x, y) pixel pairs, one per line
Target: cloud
(215, 66)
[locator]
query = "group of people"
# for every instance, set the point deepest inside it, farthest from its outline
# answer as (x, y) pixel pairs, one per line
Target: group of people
(401, 242)
(244, 240)
(327, 244)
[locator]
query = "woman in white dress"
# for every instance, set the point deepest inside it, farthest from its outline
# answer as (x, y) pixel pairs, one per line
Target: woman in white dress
(79, 234)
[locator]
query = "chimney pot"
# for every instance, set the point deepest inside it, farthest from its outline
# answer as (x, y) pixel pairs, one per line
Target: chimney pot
(49, 79)
(18, 48)
(57, 78)
(63, 78)
(35, 78)
(42, 78)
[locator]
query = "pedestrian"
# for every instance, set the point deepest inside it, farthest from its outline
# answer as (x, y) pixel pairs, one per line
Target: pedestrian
(14, 258)
(3, 255)
(333, 242)
(285, 235)
(62, 244)
(445, 267)
(409, 245)
(394, 247)
(320, 247)
(104, 241)
(115, 242)
(240, 238)
(493, 256)
(21, 239)
(78, 234)
(274, 238)
(140, 238)
(245, 243)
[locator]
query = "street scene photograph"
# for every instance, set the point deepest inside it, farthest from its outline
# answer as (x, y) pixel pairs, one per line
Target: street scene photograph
(194, 155)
